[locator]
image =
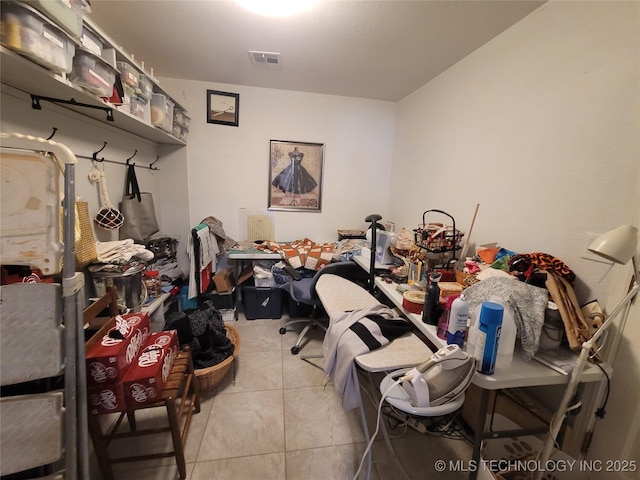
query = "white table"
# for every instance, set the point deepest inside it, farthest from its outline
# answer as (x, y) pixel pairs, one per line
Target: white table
(519, 373)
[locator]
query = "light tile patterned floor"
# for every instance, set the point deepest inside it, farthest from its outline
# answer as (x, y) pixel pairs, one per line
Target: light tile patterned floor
(280, 421)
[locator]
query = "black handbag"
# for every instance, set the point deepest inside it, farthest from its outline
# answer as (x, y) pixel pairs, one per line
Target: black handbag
(137, 208)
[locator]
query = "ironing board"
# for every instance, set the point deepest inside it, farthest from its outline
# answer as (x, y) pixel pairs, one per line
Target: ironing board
(339, 295)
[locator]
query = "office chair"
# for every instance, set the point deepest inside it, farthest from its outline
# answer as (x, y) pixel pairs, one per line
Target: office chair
(302, 289)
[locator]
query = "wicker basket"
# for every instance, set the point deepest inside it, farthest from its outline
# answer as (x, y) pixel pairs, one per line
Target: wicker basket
(210, 377)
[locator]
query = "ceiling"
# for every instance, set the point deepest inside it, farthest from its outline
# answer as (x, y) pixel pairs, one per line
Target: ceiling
(380, 50)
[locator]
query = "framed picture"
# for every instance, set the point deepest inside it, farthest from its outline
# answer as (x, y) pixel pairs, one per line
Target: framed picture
(295, 176)
(223, 108)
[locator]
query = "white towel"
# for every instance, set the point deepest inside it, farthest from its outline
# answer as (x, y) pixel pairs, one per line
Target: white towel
(121, 251)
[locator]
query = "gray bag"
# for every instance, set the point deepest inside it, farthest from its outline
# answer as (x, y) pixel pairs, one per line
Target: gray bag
(138, 211)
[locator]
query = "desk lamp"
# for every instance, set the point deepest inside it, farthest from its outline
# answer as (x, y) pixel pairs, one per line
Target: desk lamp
(618, 245)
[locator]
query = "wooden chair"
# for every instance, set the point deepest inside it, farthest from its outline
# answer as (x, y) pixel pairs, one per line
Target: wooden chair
(180, 398)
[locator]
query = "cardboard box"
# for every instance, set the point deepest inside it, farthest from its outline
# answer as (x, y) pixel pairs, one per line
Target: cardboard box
(106, 399)
(223, 280)
(148, 375)
(108, 360)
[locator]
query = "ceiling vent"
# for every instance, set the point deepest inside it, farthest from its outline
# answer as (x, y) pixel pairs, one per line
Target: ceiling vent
(265, 58)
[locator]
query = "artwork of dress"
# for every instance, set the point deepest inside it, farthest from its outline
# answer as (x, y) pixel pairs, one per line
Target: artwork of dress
(295, 175)
(295, 178)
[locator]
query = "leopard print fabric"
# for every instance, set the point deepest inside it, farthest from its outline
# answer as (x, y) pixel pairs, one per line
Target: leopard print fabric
(524, 264)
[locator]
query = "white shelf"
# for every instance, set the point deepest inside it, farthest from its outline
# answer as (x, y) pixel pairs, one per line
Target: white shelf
(29, 77)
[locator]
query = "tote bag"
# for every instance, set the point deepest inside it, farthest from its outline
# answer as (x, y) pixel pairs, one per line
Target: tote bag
(138, 211)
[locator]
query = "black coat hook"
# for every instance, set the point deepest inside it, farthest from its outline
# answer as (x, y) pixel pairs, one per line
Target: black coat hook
(95, 157)
(134, 154)
(151, 165)
(53, 133)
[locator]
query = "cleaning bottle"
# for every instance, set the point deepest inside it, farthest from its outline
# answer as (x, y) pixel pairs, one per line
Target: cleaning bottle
(486, 347)
(431, 300)
(458, 317)
(443, 323)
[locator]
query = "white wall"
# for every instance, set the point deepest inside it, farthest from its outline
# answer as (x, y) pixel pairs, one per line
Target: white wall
(541, 127)
(228, 167)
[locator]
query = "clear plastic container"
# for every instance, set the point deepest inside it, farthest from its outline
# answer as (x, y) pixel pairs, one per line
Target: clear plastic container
(92, 73)
(91, 42)
(29, 33)
(128, 74)
(140, 108)
(153, 283)
(145, 87)
(162, 112)
(65, 13)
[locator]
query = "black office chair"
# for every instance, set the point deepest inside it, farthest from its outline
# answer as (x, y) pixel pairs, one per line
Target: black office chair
(301, 288)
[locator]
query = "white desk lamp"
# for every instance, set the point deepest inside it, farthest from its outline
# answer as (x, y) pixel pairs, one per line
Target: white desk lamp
(618, 245)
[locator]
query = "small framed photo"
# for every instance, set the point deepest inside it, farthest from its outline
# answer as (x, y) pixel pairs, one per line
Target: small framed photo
(223, 108)
(295, 176)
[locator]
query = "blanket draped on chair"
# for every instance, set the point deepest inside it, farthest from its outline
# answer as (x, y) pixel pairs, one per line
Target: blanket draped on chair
(354, 333)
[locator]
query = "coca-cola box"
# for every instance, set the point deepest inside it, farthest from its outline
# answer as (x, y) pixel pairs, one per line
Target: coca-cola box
(106, 399)
(145, 380)
(109, 359)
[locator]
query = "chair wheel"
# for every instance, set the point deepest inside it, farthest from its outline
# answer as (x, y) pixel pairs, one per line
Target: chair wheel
(282, 330)
(295, 350)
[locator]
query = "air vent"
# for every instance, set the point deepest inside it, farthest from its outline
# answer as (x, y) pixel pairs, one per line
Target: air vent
(265, 58)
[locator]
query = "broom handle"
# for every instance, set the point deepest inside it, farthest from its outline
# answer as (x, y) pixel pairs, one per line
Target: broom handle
(463, 255)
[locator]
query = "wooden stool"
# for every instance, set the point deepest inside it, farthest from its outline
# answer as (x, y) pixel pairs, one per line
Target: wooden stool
(180, 397)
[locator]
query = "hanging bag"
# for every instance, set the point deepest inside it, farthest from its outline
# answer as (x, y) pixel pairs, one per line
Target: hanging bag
(138, 210)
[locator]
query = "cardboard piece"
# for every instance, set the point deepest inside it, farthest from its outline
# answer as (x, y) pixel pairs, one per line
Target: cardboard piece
(223, 280)
(108, 359)
(145, 380)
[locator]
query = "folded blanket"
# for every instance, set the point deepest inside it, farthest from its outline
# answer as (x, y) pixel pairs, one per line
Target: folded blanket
(302, 253)
(121, 251)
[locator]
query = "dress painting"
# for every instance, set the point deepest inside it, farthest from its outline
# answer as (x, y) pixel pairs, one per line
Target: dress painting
(294, 178)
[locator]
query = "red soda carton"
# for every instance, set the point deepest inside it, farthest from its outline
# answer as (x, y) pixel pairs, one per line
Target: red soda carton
(109, 359)
(106, 399)
(145, 380)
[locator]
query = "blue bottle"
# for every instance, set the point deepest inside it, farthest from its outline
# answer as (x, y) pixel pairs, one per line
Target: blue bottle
(489, 327)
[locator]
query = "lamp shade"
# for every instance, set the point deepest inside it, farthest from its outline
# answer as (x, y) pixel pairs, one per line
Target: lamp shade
(618, 245)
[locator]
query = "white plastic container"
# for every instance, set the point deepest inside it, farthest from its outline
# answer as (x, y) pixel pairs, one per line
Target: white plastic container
(92, 73)
(507, 336)
(31, 34)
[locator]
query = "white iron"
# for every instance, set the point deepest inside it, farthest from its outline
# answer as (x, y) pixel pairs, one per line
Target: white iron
(440, 379)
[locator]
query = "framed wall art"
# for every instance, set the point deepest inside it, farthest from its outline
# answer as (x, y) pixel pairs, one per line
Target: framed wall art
(223, 108)
(295, 176)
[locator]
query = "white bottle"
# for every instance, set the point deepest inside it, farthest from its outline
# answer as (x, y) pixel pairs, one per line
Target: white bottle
(508, 335)
(458, 318)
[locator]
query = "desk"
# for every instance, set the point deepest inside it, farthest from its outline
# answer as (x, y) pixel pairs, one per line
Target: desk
(519, 373)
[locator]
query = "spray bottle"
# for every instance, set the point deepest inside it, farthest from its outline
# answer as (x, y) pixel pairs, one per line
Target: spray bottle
(458, 317)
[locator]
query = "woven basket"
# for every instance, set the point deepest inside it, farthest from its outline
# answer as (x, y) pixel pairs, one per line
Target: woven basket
(210, 377)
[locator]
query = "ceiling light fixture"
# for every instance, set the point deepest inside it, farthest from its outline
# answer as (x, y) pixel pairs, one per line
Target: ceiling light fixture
(277, 8)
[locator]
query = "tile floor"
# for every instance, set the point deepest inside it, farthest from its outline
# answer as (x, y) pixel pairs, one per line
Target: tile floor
(278, 421)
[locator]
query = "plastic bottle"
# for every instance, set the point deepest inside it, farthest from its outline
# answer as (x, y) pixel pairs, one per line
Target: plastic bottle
(431, 300)
(458, 317)
(508, 335)
(489, 326)
(443, 323)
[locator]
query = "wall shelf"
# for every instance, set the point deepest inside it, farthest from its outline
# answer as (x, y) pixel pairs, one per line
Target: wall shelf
(29, 77)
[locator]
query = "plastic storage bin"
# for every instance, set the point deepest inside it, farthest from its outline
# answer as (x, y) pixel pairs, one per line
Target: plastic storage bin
(145, 87)
(140, 108)
(29, 33)
(162, 112)
(261, 302)
(65, 13)
(92, 42)
(92, 73)
(128, 74)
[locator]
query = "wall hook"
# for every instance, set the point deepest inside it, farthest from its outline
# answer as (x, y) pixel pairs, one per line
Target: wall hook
(151, 165)
(134, 154)
(94, 156)
(53, 133)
